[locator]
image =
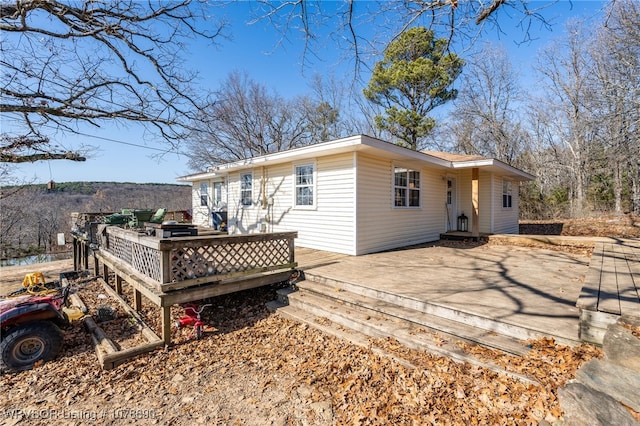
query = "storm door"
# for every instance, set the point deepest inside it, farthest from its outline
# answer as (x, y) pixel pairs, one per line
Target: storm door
(451, 204)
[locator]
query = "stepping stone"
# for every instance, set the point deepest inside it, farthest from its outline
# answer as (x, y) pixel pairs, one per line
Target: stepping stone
(585, 406)
(621, 383)
(621, 347)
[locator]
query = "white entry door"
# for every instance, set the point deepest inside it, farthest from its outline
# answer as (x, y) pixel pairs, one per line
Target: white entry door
(452, 209)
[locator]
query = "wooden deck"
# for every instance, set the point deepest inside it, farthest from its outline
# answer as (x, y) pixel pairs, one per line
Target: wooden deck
(611, 289)
(176, 270)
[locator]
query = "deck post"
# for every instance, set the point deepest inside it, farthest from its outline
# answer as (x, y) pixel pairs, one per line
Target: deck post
(166, 325)
(292, 255)
(475, 225)
(105, 272)
(118, 284)
(165, 266)
(75, 254)
(96, 266)
(85, 254)
(137, 300)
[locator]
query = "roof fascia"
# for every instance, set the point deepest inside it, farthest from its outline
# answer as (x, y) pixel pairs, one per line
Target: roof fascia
(491, 162)
(351, 143)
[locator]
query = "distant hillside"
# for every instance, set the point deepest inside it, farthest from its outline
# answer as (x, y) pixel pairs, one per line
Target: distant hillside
(32, 215)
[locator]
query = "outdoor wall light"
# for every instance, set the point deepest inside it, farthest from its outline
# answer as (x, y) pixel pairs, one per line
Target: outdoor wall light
(463, 223)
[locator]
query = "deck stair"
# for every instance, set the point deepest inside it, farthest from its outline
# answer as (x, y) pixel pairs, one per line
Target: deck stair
(611, 288)
(356, 313)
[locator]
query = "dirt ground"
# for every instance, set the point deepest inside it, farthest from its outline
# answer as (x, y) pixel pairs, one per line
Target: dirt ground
(255, 368)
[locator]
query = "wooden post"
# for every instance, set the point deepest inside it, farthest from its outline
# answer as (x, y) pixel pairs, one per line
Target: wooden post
(118, 284)
(105, 272)
(85, 254)
(75, 254)
(291, 245)
(165, 266)
(166, 325)
(475, 225)
(137, 300)
(96, 266)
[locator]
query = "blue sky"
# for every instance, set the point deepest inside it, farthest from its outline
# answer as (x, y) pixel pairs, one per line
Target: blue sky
(253, 50)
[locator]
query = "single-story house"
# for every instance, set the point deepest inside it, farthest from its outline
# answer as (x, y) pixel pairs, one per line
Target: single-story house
(359, 195)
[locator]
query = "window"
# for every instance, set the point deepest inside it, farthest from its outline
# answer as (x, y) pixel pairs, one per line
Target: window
(304, 185)
(204, 194)
(507, 198)
(217, 193)
(406, 187)
(246, 189)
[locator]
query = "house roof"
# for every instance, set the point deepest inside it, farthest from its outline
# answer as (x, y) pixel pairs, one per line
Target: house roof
(366, 144)
(448, 156)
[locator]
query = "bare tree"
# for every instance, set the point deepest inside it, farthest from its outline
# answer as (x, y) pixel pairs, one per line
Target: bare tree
(350, 22)
(548, 197)
(331, 110)
(486, 119)
(67, 63)
(567, 70)
(244, 121)
(617, 69)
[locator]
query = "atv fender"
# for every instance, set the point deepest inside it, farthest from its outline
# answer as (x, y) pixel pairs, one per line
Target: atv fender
(31, 312)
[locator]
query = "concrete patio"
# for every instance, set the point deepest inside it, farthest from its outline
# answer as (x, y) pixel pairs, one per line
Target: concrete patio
(525, 288)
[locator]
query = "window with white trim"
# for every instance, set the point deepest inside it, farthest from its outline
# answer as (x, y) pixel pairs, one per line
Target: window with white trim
(507, 198)
(204, 194)
(217, 193)
(246, 189)
(304, 185)
(406, 187)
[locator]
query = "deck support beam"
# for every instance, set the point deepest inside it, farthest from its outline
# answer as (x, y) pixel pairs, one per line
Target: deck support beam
(137, 300)
(166, 324)
(118, 284)
(76, 256)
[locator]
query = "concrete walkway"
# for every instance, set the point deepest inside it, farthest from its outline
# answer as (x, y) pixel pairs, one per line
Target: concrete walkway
(524, 286)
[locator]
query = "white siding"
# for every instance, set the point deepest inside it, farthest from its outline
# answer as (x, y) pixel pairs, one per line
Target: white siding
(380, 225)
(243, 219)
(505, 220)
(329, 226)
(201, 214)
(353, 211)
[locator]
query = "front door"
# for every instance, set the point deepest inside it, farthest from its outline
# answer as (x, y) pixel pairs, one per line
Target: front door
(451, 204)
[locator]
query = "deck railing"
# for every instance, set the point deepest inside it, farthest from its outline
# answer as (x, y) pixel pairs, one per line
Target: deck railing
(182, 262)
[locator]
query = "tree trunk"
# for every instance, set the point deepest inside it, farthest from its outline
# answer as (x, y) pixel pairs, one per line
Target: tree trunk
(635, 193)
(617, 187)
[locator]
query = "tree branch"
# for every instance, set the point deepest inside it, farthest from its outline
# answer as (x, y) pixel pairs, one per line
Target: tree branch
(9, 158)
(485, 13)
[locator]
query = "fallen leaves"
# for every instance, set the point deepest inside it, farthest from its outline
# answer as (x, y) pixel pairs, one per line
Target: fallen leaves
(258, 368)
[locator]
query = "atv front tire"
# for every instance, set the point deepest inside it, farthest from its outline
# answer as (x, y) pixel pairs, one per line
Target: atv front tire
(29, 343)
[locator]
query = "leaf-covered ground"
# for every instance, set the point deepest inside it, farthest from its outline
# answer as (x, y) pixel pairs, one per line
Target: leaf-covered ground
(614, 227)
(255, 368)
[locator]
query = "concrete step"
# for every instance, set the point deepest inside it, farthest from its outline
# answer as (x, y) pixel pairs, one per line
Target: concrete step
(357, 332)
(442, 325)
(500, 327)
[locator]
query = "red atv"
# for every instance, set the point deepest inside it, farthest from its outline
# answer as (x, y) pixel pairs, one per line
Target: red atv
(30, 329)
